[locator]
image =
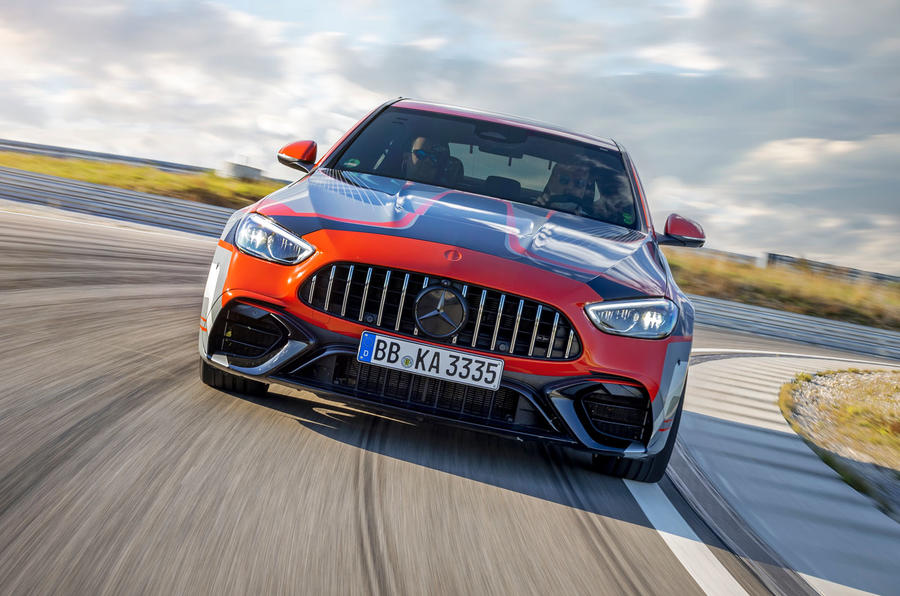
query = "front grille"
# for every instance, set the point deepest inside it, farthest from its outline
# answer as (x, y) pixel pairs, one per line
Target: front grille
(623, 415)
(498, 322)
(342, 372)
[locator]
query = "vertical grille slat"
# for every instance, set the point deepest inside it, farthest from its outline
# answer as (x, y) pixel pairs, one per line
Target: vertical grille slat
(312, 287)
(347, 291)
(365, 295)
(515, 333)
(384, 290)
(552, 335)
(402, 299)
(465, 290)
(478, 318)
(497, 322)
(534, 330)
(424, 285)
(330, 283)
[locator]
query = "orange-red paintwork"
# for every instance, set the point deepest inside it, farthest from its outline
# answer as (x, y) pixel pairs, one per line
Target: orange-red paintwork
(252, 278)
(681, 226)
(516, 248)
(301, 150)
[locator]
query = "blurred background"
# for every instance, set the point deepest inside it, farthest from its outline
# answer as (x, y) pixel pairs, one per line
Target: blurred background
(776, 124)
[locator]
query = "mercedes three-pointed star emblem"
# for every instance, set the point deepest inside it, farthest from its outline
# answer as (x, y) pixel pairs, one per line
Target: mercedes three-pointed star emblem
(440, 311)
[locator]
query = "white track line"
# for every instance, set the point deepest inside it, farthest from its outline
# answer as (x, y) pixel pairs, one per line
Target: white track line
(128, 228)
(695, 556)
(790, 354)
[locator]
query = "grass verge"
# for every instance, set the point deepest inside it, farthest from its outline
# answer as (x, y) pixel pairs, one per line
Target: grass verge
(792, 290)
(851, 420)
(203, 188)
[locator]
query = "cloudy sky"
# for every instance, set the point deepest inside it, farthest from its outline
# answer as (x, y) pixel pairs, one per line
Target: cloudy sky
(776, 124)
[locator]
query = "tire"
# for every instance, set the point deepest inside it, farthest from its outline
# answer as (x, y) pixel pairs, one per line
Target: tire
(651, 469)
(219, 379)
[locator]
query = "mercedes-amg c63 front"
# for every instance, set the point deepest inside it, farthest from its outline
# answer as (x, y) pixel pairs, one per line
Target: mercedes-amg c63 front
(469, 267)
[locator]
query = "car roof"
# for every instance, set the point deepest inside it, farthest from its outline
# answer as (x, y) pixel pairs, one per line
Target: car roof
(427, 106)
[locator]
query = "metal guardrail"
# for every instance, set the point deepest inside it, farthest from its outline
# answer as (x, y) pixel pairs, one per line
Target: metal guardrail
(199, 218)
(116, 203)
(726, 256)
(830, 270)
(802, 328)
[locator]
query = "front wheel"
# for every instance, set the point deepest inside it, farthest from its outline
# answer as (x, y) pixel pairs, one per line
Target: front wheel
(224, 381)
(650, 469)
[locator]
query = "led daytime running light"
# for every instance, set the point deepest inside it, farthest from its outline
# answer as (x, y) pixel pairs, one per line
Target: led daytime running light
(652, 318)
(263, 238)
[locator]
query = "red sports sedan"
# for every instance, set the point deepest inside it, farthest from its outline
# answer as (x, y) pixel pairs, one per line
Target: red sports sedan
(470, 267)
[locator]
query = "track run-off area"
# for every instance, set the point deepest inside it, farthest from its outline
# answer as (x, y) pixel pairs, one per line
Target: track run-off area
(120, 472)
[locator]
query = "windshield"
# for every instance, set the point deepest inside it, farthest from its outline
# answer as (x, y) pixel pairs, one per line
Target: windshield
(498, 160)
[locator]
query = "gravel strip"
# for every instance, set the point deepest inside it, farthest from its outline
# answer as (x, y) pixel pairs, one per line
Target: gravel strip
(852, 420)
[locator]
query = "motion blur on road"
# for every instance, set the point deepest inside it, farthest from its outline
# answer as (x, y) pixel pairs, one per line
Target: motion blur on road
(121, 472)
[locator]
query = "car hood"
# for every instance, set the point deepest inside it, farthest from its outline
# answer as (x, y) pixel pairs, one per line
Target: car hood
(615, 261)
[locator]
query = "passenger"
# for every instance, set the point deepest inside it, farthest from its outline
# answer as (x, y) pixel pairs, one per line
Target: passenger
(569, 188)
(614, 203)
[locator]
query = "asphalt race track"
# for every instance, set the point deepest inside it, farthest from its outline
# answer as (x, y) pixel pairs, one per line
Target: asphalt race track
(121, 473)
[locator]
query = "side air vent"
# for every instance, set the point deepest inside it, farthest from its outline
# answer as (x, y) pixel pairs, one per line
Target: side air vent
(618, 411)
(247, 334)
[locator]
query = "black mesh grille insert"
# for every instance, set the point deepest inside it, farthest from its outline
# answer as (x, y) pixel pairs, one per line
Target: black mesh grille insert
(416, 392)
(497, 322)
(246, 333)
(623, 417)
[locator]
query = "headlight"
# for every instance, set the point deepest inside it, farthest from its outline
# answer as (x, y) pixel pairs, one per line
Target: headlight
(647, 319)
(263, 238)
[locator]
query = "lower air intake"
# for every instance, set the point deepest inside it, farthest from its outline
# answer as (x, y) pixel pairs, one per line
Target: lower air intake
(247, 334)
(343, 373)
(624, 415)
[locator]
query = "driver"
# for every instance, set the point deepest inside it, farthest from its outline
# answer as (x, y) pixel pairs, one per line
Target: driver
(569, 184)
(429, 161)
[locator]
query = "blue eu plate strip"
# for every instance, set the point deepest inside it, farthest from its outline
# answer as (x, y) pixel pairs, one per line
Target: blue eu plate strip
(366, 346)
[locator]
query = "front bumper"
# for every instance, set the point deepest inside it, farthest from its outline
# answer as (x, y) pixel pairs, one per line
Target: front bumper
(572, 410)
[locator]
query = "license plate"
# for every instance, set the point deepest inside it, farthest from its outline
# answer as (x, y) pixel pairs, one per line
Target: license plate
(431, 361)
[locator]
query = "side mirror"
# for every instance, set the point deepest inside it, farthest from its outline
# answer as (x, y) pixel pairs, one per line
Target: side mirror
(300, 155)
(681, 231)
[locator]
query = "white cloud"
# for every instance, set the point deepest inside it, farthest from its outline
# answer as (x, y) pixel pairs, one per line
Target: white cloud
(525, 62)
(820, 171)
(683, 55)
(789, 153)
(695, 8)
(429, 44)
